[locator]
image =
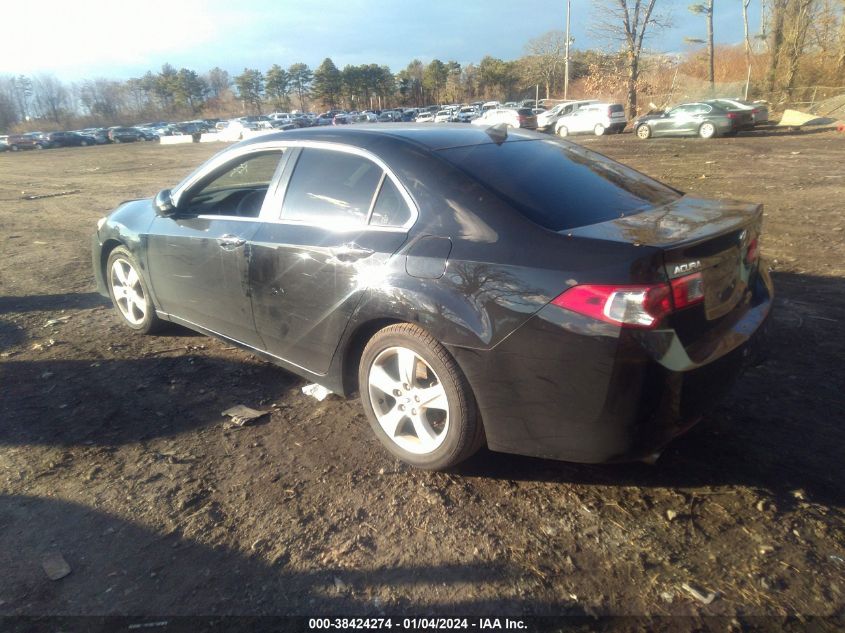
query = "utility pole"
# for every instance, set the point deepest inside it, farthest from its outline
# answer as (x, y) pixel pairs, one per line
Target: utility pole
(566, 54)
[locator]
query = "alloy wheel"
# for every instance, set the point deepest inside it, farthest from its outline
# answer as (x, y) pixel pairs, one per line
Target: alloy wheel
(409, 400)
(707, 130)
(128, 292)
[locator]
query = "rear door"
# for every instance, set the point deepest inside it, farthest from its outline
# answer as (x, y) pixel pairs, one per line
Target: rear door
(198, 258)
(341, 219)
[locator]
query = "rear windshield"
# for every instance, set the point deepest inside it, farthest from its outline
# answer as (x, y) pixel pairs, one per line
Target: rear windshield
(525, 111)
(616, 107)
(558, 185)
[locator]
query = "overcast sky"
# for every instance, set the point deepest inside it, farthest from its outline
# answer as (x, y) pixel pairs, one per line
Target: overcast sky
(94, 38)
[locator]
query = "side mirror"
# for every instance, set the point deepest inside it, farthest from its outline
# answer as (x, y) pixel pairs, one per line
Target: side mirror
(163, 203)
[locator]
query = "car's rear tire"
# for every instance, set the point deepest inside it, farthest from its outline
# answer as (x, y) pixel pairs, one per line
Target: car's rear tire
(116, 140)
(83, 143)
(129, 293)
(707, 130)
(14, 148)
(417, 400)
(644, 132)
(563, 131)
(599, 129)
(39, 146)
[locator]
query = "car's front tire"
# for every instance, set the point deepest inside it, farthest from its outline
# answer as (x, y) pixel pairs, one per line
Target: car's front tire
(644, 132)
(129, 292)
(563, 131)
(417, 400)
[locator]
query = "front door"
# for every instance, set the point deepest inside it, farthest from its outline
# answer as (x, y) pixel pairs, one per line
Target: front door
(341, 220)
(199, 258)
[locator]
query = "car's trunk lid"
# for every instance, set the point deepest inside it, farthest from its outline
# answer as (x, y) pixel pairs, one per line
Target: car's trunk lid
(716, 238)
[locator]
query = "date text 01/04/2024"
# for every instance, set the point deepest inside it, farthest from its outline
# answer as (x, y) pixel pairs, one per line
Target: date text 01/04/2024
(416, 624)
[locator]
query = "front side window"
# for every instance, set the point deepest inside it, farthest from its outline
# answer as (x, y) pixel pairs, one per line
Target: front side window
(238, 189)
(331, 188)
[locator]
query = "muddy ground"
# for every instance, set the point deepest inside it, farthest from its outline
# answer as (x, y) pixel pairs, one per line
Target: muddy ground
(113, 451)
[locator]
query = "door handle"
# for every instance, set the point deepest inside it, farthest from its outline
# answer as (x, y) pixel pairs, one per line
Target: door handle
(350, 252)
(230, 242)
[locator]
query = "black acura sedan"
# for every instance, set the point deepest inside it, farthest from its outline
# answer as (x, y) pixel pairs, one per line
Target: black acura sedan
(474, 286)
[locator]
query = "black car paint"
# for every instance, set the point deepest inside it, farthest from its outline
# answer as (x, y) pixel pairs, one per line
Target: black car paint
(548, 381)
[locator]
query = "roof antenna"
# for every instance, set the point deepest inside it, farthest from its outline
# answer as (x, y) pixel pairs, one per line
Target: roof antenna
(498, 133)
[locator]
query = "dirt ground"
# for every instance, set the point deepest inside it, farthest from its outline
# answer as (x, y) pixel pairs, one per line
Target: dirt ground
(113, 451)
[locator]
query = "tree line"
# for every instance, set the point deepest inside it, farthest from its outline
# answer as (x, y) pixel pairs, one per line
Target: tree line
(800, 42)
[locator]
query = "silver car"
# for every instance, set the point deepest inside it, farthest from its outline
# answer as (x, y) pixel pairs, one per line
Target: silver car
(546, 120)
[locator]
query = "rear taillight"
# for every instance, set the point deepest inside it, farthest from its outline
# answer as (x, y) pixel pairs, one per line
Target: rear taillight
(755, 112)
(732, 115)
(752, 252)
(687, 290)
(633, 306)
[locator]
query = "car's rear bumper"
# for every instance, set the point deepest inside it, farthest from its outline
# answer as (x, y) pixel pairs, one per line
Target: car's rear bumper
(568, 387)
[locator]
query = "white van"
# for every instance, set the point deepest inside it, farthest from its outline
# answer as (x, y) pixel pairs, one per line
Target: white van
(598, 118)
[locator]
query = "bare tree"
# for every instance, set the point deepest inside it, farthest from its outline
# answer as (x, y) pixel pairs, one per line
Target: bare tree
(547, 52)
(745, 4)
(51, 97)
(777, 9)
(706, 9)
(8, 109)
(628, 21)
(800, 17)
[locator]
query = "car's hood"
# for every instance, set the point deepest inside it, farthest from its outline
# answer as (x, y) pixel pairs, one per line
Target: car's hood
(650, 117)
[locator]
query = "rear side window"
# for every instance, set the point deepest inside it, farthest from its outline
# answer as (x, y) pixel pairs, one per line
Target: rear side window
(559, 186)
(390, 208)
(331, 187)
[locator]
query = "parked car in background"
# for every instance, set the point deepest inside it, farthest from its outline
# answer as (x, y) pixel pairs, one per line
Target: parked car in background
(706, 120)
(759, 111)
(68, 139)
(596, 118)
(147, 134)
(325, 119)
(368, 117)
(31, 140)
(546, 120)
(510, 290)
(4, 143)
(522, 117)
(491, 105)
(425, 117)
(191, 127)
(234, 130)
(124, 135)
(443, 116)
(99, 134)
(467, 114)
